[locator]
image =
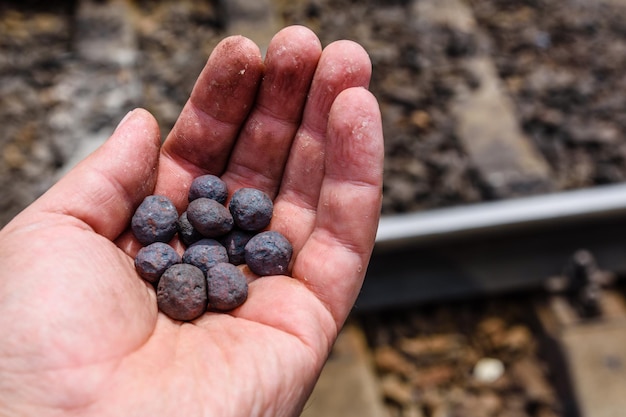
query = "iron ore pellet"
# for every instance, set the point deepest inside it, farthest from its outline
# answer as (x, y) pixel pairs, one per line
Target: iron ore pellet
(208, 186)
(186, 232)
(154, 220)
(235, 242)
(152, 261)
(182, 292)
(205, 254)
(268, 253)
(217, 238)
(209, 217)
(226, 286)
(251, 209)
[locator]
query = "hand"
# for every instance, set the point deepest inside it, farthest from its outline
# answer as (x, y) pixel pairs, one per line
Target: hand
(80, 330)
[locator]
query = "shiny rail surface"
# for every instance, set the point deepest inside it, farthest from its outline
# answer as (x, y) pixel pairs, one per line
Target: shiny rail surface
(502, 216)
(496, 247)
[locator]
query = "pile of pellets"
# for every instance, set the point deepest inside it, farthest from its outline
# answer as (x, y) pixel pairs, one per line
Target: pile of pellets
(217, 239)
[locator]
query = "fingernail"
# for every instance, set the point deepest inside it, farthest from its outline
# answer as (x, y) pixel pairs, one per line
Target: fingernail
(124, 119)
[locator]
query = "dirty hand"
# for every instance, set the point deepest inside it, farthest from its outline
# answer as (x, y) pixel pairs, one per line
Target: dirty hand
(80, 330)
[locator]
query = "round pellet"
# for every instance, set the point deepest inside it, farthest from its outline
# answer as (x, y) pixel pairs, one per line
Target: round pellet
(227, 287)
(182, 292)
(208, 186)
(153, 260)
(209, 217)
(235, 242)
(205, 254)
(154, 220)
(268, 253)
(186, 232)
(251, 209)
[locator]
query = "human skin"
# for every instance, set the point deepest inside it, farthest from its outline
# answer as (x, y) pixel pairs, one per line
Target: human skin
(81, 333)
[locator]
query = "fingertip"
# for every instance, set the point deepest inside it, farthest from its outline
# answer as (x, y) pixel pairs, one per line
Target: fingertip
(298, 35)
(356, 135)
(293, 50)
(238, 42)
(359, 98)
(220, 101)
(343, 64)
(138, 131)
(352, 56)
(138, 120)
(233, 69)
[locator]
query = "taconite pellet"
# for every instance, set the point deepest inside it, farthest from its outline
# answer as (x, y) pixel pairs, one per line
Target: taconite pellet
(208, 186)
(205, 254)
(226, 286)
(182, 292)
(186, 232)
(251, 209)
(268, 253)
(235, 242)
(154, 220)
(209, 217)
(218, 238)
(152, 261)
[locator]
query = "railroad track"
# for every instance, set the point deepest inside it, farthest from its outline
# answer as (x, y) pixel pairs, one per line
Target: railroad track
(476, 204)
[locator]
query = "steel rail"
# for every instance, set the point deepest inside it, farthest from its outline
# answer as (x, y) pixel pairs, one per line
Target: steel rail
(502, 216)
(495, 247)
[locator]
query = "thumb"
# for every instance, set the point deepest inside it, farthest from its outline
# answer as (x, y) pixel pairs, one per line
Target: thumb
(103, 190)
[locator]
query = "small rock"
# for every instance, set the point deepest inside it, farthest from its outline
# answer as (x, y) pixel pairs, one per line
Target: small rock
(433, 376)
(488, 370)
(421, 119)
(449, 345)
(518, 339)
(388, 359)
(396, 390)
(529, 375)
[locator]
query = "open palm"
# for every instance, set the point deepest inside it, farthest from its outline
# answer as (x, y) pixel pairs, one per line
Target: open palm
(80, 331)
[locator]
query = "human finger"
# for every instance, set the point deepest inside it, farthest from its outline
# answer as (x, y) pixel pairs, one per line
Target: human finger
(201, 140)
(333, 261)
(329, 269)
(261, 150)
(343, 64)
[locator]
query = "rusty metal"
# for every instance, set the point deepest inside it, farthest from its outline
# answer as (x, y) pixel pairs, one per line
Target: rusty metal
(584, 322)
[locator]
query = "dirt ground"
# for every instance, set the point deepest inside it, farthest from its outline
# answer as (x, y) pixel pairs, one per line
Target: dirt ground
(462, 359)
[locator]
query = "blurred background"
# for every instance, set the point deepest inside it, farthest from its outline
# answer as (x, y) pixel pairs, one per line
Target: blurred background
(504, 114)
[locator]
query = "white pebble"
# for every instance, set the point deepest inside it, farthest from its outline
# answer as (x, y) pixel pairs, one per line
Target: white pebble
(488, 370)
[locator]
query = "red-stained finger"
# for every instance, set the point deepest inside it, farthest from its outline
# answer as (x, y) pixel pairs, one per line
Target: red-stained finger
(261, 151)
(343, 64)
(203, 136)
(333, 260)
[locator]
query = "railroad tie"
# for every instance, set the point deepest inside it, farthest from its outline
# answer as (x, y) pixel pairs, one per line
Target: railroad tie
(586, 345)
(486, 125)
(348, 385)
(101, 84)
